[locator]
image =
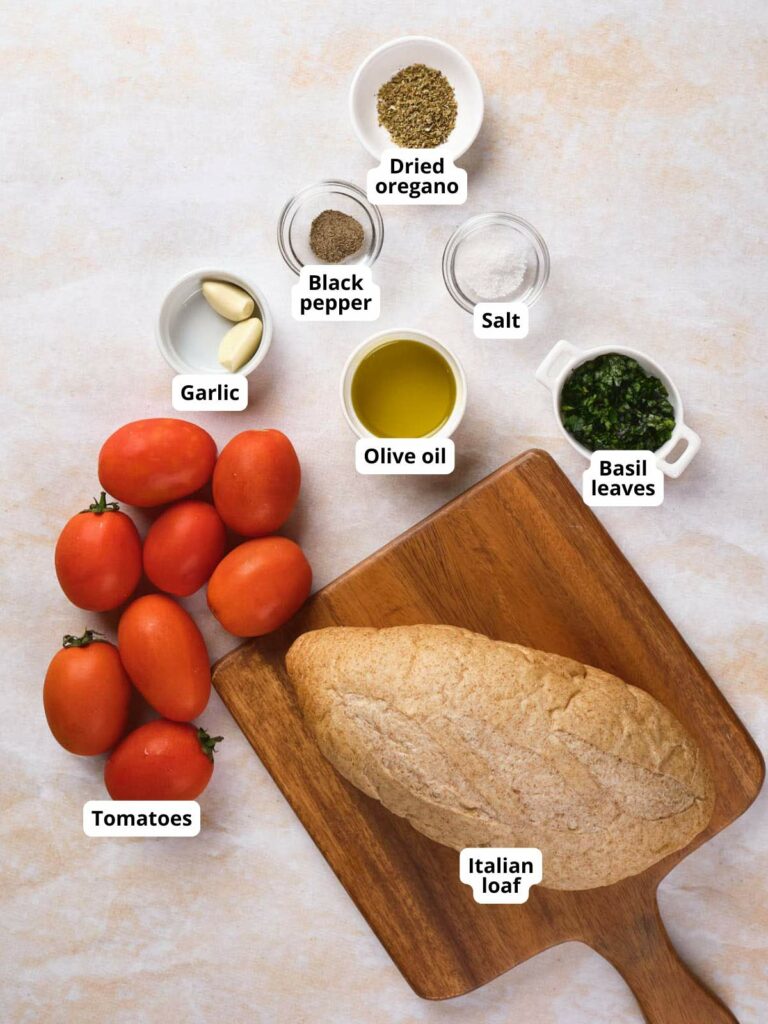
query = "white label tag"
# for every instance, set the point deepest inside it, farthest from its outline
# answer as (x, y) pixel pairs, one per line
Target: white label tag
(500, 874)
(618, 479)
(405, 456)
(335, 293)
(500, 320)
(207, 392)
(416, 177)
(132, 818)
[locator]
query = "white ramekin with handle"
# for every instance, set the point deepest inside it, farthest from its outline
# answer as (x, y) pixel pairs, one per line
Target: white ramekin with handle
(564, 357)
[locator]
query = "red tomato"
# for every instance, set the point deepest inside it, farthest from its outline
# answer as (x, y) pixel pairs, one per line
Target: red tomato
(98, 557)
(183, 547)
(153, 462)
(259, 586)
(256, 482)
(165, 656)
(86, 695)
(161, 761)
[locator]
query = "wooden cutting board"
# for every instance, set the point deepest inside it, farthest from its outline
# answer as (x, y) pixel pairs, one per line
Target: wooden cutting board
(520, 558)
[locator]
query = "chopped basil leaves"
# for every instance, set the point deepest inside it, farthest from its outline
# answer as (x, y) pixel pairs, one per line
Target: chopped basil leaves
(610, 402)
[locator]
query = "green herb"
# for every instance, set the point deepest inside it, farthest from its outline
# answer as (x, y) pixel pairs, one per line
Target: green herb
(612, 403)
(418, 108)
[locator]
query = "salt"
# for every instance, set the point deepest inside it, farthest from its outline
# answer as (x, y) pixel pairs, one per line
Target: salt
(491, 264)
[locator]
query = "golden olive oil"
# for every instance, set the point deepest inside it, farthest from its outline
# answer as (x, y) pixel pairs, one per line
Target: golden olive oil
(403, 388)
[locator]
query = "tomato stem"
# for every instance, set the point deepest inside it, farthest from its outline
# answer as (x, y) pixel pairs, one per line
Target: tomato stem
(102, 505)
(90, 636)
(208, 743)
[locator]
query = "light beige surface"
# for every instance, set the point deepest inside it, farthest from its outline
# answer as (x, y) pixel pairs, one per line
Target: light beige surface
(480, 743)
(140, 140)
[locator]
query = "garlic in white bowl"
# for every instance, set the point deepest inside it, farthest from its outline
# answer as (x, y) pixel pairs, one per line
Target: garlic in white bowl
(228, 300)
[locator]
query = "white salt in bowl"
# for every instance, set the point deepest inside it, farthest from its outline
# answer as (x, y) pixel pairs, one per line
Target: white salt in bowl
(478, 234)
(382, 64)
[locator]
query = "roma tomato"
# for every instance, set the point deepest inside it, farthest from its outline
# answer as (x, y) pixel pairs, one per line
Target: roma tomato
(259, 586)
(161, 761)
(164, 654)
(183, 547)
(153, 462)
(86, 695)
(256, 482)
(98, 557)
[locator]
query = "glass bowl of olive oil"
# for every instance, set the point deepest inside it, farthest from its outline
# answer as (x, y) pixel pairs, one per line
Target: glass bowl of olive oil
(403, 383)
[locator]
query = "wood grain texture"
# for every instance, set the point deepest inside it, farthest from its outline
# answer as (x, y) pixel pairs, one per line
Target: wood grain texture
(520, 558)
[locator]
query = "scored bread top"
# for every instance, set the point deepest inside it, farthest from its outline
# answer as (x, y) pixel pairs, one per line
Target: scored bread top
(482, 743)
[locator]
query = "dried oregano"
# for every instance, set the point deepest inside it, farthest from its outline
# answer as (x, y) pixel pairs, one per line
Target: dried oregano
(418, 108)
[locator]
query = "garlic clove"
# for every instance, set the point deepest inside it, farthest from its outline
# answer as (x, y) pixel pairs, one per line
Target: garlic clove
(239, 344)
(228, 300)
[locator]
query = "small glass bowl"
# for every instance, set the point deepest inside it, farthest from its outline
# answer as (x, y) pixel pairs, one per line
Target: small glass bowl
(535, 248)
(298, 214)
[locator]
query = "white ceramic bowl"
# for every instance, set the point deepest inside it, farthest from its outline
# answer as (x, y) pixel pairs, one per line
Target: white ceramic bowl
(383, 63)
(565, 357)
(189, 330)
(402, 334)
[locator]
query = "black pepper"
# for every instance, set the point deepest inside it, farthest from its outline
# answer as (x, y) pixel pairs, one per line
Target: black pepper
(335, 235)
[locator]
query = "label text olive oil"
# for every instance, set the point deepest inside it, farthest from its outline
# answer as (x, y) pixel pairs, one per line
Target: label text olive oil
(403, 389)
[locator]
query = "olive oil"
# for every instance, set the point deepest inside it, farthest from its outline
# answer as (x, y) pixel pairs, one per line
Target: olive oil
(403, 388)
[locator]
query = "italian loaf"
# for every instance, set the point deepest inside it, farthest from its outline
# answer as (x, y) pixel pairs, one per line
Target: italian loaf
(482, 743)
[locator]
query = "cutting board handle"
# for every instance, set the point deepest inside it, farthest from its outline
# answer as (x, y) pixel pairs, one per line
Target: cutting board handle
(641, 951)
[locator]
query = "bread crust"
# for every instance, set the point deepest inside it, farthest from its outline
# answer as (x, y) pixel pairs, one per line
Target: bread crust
(482, 743)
